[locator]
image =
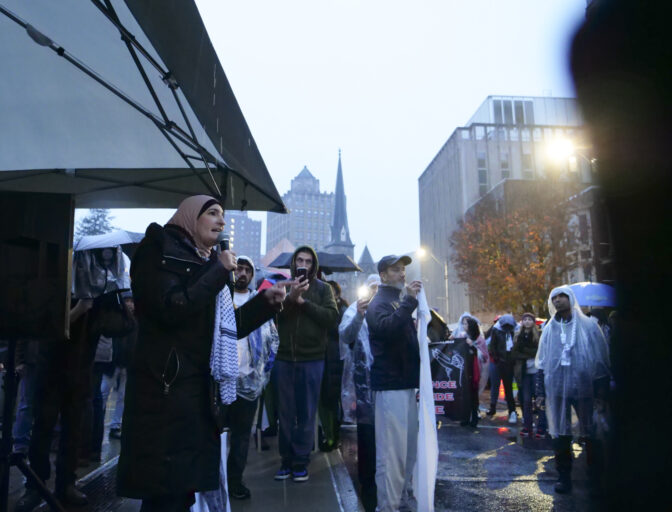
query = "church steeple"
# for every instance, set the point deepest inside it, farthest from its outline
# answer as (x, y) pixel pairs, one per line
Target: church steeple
(340, 232)
(366, 262)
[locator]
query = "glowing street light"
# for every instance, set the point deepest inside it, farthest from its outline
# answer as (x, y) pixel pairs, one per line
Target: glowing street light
(422, 253)
(561, 150)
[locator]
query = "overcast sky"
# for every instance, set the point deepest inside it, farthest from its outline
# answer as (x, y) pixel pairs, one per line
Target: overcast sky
(387, 82)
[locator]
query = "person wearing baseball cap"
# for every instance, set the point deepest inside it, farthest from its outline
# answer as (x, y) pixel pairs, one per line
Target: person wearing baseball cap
(395, 375)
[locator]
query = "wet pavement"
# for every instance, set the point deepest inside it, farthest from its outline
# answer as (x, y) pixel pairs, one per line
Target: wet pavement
(329, 488)
(491, 468)
(485, 468)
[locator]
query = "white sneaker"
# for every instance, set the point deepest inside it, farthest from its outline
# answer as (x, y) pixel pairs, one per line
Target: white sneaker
(513, 418)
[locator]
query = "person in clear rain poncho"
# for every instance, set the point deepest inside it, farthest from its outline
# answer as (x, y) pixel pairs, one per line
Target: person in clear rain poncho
(356, 394)
(575, 359)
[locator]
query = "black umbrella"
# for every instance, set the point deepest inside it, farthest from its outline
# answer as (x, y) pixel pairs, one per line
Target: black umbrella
(329, 263)
(141, 120)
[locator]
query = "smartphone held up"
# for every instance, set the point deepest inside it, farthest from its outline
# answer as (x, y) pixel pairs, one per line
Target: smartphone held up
(301, 273)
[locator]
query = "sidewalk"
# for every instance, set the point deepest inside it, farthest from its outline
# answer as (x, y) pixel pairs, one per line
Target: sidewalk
(329, 488)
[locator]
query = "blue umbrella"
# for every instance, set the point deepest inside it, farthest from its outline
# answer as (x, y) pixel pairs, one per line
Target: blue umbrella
(594, 294)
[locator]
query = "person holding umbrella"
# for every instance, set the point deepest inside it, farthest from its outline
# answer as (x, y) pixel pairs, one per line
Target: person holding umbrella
(187, 337)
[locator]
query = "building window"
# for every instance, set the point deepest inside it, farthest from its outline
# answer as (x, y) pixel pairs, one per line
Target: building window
(529, 112)
(504, 165)
(528, 170)
(518, 110)
(513, 134)
(479, 132)
(482, 174)
(525, 135)
(508, 112)
(536, 134)
(497, 107)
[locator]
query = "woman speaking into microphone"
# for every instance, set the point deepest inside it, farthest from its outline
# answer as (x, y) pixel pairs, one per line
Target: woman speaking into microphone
(187, 332)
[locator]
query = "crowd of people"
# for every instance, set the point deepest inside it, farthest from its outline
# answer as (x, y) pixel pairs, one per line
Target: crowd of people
(200, 351)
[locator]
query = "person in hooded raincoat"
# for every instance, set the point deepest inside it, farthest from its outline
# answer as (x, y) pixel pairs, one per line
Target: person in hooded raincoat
(479, 350)
(356, 394)
(501, 346)
(575, 359)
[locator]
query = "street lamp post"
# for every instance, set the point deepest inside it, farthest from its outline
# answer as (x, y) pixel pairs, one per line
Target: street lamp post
(422, 253)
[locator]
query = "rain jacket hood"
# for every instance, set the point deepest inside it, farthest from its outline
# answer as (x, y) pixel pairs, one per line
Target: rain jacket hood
(313, 271)
(505, 320)
(251, 264)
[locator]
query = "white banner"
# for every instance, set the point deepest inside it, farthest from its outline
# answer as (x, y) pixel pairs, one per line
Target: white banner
(424, 475)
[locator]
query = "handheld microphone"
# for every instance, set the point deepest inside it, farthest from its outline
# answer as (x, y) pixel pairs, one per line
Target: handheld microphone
(223, 240)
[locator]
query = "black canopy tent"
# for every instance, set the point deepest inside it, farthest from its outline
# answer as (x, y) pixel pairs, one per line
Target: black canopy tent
(123, 104)
(329, 263)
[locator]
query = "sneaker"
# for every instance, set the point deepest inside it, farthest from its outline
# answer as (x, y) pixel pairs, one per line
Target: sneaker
(30, 499)
(283, 473)
(300, 474)
(115, 433)
(513, 418)
(239, 491)
(524, 432)
(541, 434)
(491, 412)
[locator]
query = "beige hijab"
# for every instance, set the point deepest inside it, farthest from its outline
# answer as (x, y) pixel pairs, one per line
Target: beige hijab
(187, 215)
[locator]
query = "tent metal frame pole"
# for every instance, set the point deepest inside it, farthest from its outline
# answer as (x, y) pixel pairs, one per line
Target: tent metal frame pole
(131, 38)
(191, 166)
(168, 80)
(113, 17)
(167, 127)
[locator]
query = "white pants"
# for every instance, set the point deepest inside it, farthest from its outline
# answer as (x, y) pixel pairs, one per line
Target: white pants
(396, 447)
(217, 500)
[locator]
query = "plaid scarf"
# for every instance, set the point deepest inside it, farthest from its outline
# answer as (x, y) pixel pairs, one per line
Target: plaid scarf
(224, 354)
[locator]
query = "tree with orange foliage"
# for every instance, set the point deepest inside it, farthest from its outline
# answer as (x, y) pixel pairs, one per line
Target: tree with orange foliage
(511, 259)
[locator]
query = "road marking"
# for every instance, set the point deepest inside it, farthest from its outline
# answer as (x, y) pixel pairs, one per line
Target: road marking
(490, 479)
(98, 471)
(333, 483)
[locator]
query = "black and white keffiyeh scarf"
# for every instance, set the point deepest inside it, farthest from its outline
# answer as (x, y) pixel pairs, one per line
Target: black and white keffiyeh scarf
(224, 354)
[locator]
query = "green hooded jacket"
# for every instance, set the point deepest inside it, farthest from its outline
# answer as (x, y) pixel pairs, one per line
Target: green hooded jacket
(303, 327)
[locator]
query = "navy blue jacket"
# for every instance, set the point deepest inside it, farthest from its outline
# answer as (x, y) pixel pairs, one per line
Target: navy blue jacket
(393, 340)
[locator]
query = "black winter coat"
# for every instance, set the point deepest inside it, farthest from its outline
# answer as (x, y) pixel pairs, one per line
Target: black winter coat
(393, 340)
(333, 365)
(497, 349)
(170, 443)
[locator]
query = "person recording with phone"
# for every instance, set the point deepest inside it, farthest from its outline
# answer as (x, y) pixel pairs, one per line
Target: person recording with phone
(395, 376)
(309, 312)
(356, 394)
(187, 341)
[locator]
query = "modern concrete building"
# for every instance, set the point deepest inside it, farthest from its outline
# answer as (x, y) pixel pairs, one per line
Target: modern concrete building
(244, 234)
(310, 218)
(522, 138)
